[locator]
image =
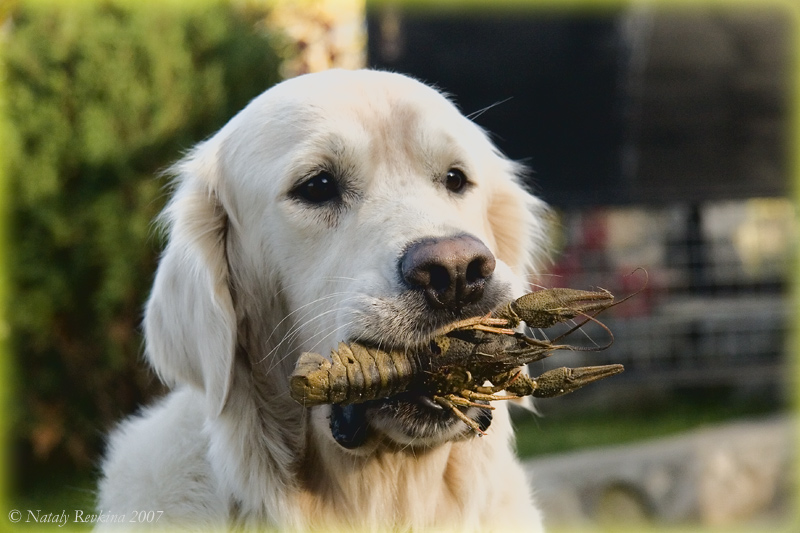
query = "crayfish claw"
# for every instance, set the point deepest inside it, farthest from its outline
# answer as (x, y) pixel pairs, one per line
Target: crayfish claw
(547, 307)
(565, 380)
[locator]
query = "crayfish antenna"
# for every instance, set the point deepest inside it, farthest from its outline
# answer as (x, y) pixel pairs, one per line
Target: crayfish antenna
(588, 318)
(593, 317)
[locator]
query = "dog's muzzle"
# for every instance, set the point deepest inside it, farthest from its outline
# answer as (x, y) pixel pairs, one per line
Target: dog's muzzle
(416, 416)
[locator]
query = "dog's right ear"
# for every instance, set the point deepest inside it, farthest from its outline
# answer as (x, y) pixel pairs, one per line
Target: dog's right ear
(190, 323)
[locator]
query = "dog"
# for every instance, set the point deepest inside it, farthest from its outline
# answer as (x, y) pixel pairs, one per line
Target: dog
(336, 206)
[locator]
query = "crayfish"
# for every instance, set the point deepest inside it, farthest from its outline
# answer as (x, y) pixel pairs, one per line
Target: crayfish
(468, 361)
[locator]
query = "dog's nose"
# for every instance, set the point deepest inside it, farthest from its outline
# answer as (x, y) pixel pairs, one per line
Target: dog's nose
(451, 271)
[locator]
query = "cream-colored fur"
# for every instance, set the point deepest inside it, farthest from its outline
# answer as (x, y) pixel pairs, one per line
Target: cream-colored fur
(251, 277)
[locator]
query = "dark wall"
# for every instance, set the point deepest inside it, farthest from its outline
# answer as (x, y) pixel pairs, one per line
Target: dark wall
(611, 107)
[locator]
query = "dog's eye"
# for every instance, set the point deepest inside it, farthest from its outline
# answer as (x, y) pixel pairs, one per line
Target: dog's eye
(455, 180)
(318, 189)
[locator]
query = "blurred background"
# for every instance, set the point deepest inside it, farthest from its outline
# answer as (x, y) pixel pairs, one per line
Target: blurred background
(663, 136)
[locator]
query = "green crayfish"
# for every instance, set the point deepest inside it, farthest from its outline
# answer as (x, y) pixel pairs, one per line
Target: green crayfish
(468, 361)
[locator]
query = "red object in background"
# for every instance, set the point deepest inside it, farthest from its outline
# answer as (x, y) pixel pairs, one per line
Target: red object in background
(594, 230)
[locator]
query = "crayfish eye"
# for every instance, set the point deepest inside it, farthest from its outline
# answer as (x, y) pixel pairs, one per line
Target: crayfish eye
(318, 189)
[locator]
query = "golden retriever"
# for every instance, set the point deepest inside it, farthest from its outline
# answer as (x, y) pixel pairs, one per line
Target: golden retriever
(337, 206)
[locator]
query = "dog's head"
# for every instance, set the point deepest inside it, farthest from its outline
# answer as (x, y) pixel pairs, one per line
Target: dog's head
(339, 206)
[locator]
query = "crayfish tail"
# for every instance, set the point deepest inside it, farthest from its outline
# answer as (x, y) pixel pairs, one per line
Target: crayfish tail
(309, 383)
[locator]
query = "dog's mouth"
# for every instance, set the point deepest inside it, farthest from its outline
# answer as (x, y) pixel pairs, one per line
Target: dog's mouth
(405, 419)
(408, 419)
(411, 418)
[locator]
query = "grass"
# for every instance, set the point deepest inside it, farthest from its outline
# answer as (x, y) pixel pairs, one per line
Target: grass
(67, 494)
(564, 432)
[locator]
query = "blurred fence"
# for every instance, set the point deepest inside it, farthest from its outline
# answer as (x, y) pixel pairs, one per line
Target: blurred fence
(714, 312)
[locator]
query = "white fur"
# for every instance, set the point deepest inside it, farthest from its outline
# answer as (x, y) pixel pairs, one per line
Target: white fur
(251, 278)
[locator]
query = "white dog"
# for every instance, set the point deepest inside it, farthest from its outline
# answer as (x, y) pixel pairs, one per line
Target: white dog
(339, 206)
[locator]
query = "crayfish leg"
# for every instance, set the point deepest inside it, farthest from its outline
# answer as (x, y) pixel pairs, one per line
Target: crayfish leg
(484, 323)
(447, 404)
(489, 390)
(490, 329)
(465, 402)
(470, 396)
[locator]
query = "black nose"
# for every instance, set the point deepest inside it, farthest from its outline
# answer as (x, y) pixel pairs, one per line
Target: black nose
(451, 271)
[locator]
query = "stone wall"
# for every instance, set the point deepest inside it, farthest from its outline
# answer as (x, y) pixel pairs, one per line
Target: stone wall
(726, 475)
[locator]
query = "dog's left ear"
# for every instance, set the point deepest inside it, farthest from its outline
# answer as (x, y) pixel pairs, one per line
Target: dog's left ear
(519, 222)
(190, 323)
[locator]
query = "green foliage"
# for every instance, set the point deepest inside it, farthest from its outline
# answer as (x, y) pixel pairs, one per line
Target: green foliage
(100, 97)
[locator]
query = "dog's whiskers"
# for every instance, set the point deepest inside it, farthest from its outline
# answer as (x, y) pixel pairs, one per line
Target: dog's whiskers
(295, 330)
(292, 334)
(326, 336)
(288, 353)
(300, 308)
(479, 112)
